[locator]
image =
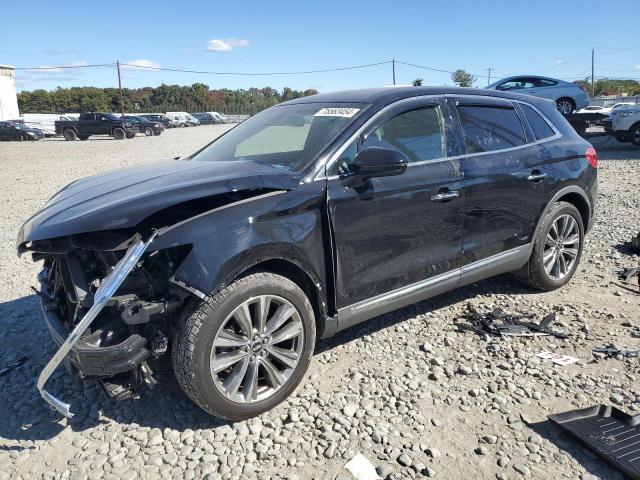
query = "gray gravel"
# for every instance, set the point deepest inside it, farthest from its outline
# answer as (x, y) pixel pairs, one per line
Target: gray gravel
(416, 397)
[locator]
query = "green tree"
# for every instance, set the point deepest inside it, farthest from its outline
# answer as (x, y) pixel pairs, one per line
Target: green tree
(462, 78)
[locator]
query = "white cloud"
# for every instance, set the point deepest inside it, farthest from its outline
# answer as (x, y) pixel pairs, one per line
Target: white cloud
(141, 64)
(227, 44)
(559, 62)
(49, 70)
(637, 67)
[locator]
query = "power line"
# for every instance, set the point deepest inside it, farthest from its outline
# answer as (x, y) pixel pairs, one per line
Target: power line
(302, 72)
(67, 66)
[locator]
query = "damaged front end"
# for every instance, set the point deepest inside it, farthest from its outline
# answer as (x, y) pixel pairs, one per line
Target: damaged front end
(111, 312)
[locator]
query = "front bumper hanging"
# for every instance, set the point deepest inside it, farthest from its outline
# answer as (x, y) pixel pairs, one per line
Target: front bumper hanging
(102, 295)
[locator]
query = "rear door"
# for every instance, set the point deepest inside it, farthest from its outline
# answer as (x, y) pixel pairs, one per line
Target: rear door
(505, 177)
(394, 232)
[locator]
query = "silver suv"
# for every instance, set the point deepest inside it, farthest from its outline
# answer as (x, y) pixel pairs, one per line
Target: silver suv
(568, 96)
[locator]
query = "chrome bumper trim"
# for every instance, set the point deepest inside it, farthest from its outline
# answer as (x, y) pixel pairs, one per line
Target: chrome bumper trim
(110, 284)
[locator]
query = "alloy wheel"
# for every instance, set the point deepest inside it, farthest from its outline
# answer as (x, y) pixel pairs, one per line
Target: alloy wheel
(564, 107)
(561, 247)
(257, 349)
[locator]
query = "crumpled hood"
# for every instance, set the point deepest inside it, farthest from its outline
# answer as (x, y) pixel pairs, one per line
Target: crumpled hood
(123, 198)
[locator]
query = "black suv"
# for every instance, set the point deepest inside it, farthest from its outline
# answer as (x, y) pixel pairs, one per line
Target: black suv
(308, 218)
(146, 126)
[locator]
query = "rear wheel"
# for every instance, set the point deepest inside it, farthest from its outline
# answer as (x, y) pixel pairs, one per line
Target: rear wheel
(83, 137)
(634, 133)
(565, 106)
(246, 350)
(148, 131)
(69, 134)
(118, 133)
(557, 248)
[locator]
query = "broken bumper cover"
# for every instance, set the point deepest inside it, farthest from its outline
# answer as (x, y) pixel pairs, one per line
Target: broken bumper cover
(92, 358)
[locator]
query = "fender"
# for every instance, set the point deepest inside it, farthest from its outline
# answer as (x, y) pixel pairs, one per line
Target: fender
(559, 194)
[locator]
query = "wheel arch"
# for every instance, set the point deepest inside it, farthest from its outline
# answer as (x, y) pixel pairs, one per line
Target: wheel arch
(574, 195)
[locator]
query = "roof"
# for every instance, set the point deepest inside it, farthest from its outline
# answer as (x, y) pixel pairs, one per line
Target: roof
(391, 94)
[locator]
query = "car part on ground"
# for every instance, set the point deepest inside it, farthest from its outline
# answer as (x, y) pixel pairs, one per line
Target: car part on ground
(15, 363)
(635, 243)
(287, 207)
(609, 432)
(500, 323)
(610, 351)
(627, 274)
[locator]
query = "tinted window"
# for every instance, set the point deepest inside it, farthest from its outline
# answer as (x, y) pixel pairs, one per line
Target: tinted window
(543, 82)
(540, 127)
(488, 128)
(516, 84)
(416, 133)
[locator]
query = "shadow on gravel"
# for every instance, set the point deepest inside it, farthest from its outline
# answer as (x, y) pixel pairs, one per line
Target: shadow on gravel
(25, 416)
(571, 446)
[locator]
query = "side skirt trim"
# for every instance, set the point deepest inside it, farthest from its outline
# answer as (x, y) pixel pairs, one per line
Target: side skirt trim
(503, 262)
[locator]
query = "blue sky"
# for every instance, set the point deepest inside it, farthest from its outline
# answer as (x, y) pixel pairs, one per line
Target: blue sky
(551, 38)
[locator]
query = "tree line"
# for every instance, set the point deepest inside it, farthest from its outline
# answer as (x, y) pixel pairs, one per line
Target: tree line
(166, 98)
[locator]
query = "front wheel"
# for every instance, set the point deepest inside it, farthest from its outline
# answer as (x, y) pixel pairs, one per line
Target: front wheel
(634, 133)
(148, 131)
(557, 248)
(69, 134)
(118, 133)
(247, 349)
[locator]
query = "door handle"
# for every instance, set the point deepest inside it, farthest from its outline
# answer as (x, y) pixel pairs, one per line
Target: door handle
(445, 196)
(536, 176)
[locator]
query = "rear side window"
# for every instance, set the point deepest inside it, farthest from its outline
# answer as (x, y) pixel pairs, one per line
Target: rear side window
(489, 128)
(540, 127)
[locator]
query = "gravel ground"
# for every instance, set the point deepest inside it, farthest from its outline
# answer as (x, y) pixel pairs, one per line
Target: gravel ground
(414, 395)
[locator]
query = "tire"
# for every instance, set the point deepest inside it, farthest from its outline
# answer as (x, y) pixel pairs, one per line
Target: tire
(148, 132)
(565, 105)
(130, 135)
(20, 138)
(119, 133)
(534, 273)
(159, 132)
(69, 134)
(199, 331)
(83, 137)
(634, 134)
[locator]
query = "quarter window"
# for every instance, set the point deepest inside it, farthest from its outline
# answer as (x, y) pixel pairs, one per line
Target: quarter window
(540, 127)
(489, 128)
(416, 133)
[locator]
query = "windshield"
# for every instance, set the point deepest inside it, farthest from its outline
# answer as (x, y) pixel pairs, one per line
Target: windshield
(286, 136)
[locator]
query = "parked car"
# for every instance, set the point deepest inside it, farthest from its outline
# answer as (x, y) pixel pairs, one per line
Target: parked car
(179, 119)
(145, 126)
(158, 117)
(193, 121)
(218, 117)
(205, 118)
(624, 124)
(96, 124)
(308, 218)
(43, 121)
(19, 132)
(568, 96)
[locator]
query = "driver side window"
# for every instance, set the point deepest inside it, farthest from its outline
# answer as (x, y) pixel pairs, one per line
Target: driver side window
(417, 133)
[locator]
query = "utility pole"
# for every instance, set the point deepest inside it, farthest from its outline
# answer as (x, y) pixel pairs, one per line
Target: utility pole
(120, 88)
(593, 75)
(393, 66)
(489, 76)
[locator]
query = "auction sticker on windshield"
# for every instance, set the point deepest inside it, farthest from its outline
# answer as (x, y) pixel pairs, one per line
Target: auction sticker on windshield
(336, 112)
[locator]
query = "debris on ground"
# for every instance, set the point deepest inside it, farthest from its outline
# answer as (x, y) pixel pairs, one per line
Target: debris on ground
(13, 365)
(361, 468)
(499, 323)
(610, 351)
(558, 358)
(627, 274)
(609, 432)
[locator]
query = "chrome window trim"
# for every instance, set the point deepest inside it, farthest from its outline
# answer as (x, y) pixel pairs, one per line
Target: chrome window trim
(329, 163)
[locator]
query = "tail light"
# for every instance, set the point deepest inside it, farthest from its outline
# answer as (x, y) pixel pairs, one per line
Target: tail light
(592, 157)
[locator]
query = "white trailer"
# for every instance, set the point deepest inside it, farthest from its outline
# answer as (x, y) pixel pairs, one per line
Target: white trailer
(8, 97)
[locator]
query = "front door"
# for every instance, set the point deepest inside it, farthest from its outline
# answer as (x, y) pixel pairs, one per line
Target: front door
(393, 233)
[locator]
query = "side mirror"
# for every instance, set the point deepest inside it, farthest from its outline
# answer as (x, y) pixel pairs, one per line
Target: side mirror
(378, 162)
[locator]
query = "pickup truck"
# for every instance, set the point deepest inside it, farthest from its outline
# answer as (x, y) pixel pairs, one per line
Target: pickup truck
(96, 124)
